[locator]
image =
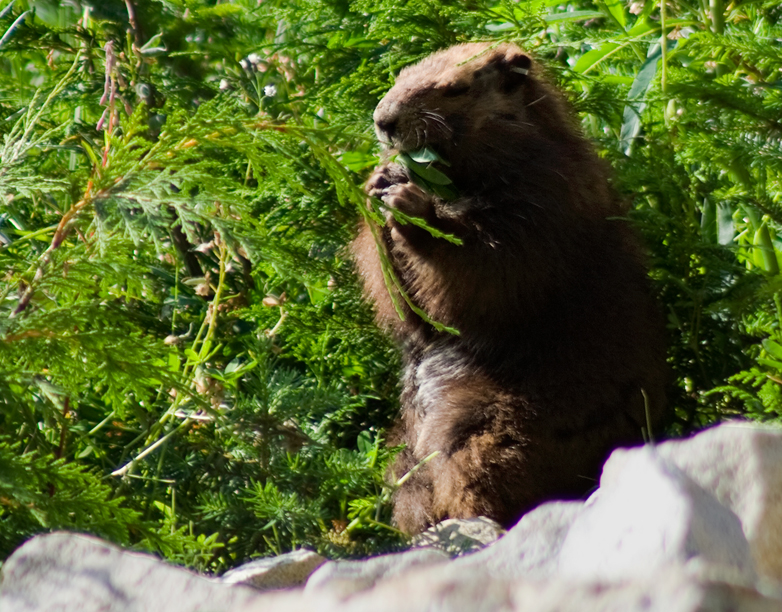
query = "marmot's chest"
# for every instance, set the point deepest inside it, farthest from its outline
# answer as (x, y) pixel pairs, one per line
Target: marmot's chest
(430, 375)
(439, 387)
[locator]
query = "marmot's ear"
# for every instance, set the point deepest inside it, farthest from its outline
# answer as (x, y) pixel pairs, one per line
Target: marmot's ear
(514, 67)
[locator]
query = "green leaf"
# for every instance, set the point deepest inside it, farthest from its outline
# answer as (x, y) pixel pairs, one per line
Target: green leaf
(592, 58)
(174, 361)
(500, 27)
(773, 348)
(631, 120)
(428, 173)
(364, 442)
(765, 254)
(13, 27)
(726, 228)
(357, 161)
(709, 221)
(574, 16)
(427, 156)
(233, 366)
(615, 79)
(770, 363)
(641, 28)
(615, 8)
(318, 292)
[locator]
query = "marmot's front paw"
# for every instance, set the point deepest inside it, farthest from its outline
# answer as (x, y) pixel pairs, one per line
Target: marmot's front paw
(385, 177)
(408, 198)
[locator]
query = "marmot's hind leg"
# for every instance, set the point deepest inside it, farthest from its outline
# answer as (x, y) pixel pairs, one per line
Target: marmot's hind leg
(488, 475)
(413, 501)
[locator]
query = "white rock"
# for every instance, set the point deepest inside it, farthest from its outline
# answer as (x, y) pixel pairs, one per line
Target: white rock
(649, 515)
(66, 572)
(70, 573)
(666, 591)
(282, 572)
(530, 549)
(740, 463)
(346, 577)
(442, 589)
(458, 537)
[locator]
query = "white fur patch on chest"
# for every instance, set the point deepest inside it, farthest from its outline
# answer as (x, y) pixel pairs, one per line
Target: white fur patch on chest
(441, 368)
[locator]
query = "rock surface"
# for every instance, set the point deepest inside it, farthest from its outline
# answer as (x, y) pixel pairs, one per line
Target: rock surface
(648, 516)
(458, 537)
(346, 577)
(668, 591)
(740, 463)
(686, 526)
(74, 573)
(283, 572)
(531, 548)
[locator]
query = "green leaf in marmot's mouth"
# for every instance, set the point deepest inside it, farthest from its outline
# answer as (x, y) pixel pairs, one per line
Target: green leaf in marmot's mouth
(425, 175)
(427, 156)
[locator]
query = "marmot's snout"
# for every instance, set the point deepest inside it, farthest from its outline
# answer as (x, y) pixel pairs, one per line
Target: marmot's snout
(386, 117)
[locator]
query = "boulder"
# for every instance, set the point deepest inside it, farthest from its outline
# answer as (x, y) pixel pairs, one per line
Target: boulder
(530, 549)
(74, 573)
(344, 578)
(459, 537)
(647, 516)
(445, 590)
(282, 572)
(740, 463)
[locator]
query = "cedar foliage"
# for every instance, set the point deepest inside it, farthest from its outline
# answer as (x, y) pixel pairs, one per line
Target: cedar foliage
(186, 365)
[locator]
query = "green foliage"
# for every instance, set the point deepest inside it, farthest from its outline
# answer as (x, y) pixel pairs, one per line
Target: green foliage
(186, 364)
(46, 493)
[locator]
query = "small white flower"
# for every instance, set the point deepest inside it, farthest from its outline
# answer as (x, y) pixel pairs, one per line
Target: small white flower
(244, 64)
(270, 91)
(254, 58)
(224, 84)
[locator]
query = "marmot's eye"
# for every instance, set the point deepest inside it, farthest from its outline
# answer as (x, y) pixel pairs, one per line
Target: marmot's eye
(456, 90)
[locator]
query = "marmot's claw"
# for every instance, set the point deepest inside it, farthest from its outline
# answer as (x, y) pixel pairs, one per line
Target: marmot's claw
(377, 192)
(385, 177)
(408, 198)
(377, 186)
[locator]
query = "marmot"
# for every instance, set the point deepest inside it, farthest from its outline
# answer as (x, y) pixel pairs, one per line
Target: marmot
(559, 339)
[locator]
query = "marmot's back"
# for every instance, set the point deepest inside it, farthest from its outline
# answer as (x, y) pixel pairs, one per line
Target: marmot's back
(558, 335)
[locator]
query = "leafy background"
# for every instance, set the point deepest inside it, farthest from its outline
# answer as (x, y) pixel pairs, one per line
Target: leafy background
(186, 365)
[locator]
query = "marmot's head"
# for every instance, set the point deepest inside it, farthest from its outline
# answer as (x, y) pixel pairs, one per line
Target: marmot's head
(460, 95)
(492, 115)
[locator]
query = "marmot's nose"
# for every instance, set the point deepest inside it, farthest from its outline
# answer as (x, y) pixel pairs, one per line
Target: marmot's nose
(386, 119)
(387, 126)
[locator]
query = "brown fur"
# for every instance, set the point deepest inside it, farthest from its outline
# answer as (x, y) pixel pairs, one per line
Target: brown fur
(558, 335)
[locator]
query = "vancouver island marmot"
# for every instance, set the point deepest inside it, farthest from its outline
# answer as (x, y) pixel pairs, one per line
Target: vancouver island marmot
(558, 335)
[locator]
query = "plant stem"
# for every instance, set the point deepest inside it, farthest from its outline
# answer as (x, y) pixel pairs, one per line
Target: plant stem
(717, 10)
(664, 48)
(124, 469)
(63, 228)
